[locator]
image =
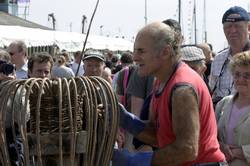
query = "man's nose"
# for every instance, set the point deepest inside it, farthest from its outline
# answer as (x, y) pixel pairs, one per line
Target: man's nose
(233, 29)
(43, 74)
(95, 69)
(135, 57)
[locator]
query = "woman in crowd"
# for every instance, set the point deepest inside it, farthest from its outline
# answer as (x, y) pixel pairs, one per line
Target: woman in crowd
(5, 66)
(233, 114)
(60, 70)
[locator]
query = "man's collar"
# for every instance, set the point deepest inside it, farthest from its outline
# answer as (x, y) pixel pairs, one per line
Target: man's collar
(25, 67)
(245, 48)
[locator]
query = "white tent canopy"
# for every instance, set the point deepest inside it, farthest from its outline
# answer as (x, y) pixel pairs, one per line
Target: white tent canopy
(69, 41)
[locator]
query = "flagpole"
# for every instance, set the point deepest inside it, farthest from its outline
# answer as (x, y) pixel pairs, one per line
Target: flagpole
(146, 13)
(205, 22)
(195, 25)
(179, 12)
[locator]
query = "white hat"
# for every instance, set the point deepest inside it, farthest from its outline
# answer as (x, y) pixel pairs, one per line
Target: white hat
(191, 53)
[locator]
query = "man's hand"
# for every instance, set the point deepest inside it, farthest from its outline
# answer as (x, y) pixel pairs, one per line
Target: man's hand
(237, 152)
(5, 77)
(225, 148)
(125, 158)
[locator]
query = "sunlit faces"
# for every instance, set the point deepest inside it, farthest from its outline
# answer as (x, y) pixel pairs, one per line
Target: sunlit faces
(40, 70)
(93, 67)
(236, 32)
(16, 55)
(241, 77)
(145, 56)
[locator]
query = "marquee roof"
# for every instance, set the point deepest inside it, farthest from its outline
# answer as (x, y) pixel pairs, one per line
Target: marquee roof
(70, 41)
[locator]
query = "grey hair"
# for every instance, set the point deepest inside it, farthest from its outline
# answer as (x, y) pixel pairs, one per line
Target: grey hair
(20, 45)
(163, 35)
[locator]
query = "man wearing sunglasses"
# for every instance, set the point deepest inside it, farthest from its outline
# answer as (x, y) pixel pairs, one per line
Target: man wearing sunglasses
(18, 52)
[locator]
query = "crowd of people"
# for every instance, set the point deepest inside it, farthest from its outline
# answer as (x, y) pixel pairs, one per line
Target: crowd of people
(179, 104)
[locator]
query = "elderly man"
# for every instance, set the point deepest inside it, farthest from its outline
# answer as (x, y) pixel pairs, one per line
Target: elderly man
(195, 58)
(140, 89)
(236, 29)
(182, 122)
(18, 52)
(94, 65)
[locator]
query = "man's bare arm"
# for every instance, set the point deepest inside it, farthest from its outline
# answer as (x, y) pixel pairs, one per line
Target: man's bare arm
(186, 126)
(148, 135)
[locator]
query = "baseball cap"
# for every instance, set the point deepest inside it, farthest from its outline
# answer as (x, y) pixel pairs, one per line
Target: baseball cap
(191, 53)
(235, 14)
(93, 54)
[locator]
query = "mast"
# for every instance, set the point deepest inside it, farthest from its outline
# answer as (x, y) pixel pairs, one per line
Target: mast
(53, 20)
(146, 12)
(204, 22)
(195, 24)
(84, 19)
(179, 12)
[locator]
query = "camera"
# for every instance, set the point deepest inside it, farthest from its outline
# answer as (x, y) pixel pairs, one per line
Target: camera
(6, 68)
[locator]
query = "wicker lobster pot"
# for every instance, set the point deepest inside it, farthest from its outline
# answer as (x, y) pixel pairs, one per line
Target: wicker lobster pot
(49, 108)
(68, 122)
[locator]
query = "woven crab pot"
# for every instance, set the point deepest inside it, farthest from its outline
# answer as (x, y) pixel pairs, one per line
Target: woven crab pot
(58, 121)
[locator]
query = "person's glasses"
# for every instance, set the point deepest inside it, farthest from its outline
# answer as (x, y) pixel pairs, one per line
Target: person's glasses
(11, 53)
(245, 75)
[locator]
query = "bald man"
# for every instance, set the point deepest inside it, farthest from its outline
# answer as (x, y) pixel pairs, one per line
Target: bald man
(182, 123)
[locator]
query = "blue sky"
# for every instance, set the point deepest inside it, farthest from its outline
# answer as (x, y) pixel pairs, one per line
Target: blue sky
(126, 17)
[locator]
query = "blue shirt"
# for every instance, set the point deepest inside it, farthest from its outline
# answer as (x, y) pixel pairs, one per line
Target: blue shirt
(22, 73)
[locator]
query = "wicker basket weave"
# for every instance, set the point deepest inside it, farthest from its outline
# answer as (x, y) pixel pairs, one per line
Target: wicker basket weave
(49, 110)
(67, 118)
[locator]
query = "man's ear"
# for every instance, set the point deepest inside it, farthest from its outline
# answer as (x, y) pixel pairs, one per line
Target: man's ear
(167, 51)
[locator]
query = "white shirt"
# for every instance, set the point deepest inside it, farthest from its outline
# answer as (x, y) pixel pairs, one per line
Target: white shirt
(74, 67)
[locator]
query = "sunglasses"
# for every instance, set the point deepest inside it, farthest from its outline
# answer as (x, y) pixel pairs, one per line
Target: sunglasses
(11, 53)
